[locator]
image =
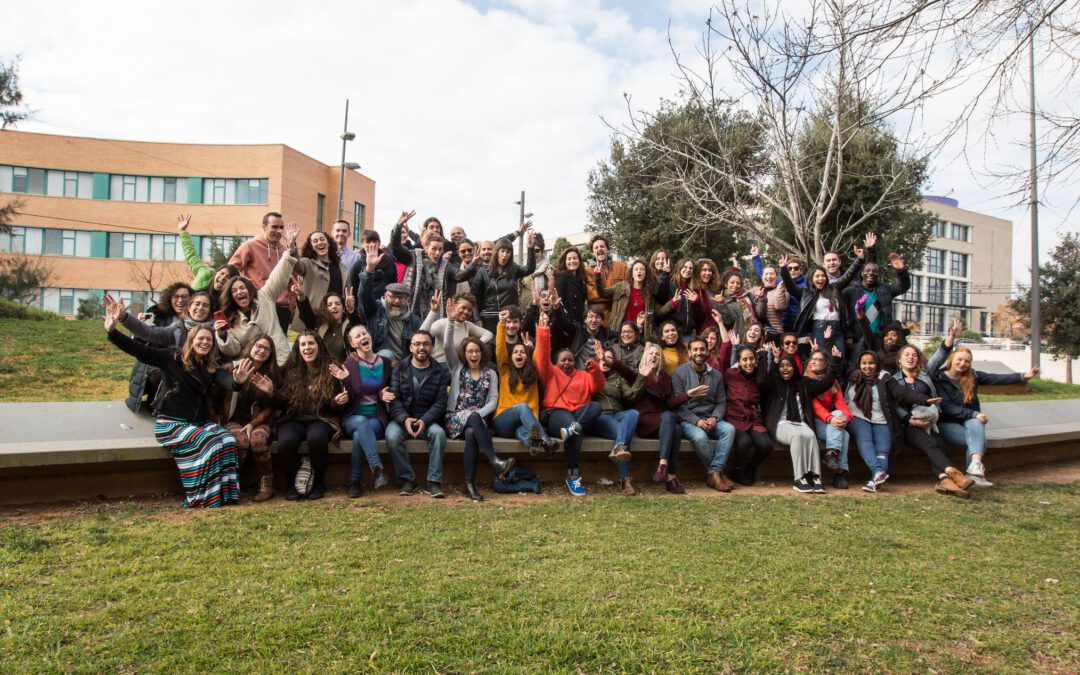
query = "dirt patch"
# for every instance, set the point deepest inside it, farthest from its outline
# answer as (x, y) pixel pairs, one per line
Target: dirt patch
(170, 505)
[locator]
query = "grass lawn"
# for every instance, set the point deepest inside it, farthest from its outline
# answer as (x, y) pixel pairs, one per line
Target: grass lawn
(901, 582)
(1041, 390)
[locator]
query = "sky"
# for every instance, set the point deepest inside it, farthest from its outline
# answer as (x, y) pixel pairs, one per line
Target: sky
(457, 106)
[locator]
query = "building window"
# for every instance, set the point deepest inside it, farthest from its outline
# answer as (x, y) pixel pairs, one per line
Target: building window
(128, 250)
(916, 292)
(67, 300)
(250, 191)
(935, 320)
(984, 323)
(67, 244)
(958, 265)
(358, 220)
(127, 188)
(959, 292)
(320, 207)
(935, 261)
(939, 229)
(169, 190)
(71, 184)
(13, 242)
(935, 290)
(18, 179)
(961, 232)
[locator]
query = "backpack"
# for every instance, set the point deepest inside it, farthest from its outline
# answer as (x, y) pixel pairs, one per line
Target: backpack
(517, 479)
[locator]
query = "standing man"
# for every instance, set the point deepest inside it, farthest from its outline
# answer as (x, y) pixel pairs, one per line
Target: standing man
(419, 385)
(702, 413)
(341, 231)
(873, 298)
(611, 271)
(255, 259)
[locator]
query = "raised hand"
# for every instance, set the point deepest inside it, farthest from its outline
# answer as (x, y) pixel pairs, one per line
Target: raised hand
(532, 237)
(262, 383)
(543, 321)
(436, 301)
(524, 227)
(556, 301)
(221, 325)
(860, 253)
(405, 216)
(836, 352)
(895, 261)
(350, 303)
(243, 370)
(870, 240)
(640, 321)
(1031, 373)
(297, 289)
(183, 221)
(754, 251)
(782, 260)
(373, 261)
(698, 391)
(716, 316)
(504, 314)
(956, 328)
(828, 332)
(527, 340)
(292, 231)
(339, 372)
(110, 319)
(689, 295)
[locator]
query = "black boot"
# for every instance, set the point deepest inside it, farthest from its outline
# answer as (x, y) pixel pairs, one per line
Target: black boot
(550, 444)
(501, 466)
(472, 493)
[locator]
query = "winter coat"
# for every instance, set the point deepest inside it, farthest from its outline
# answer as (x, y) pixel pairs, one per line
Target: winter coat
(428, 403)
(807, 297)
(657, 398)
(262, 316)
(953, 408)
(574, 293)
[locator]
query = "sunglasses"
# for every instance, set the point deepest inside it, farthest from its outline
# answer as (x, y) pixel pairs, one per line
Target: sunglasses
(790, 343)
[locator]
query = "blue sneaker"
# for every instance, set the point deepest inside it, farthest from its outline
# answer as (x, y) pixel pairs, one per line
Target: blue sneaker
(574, 485)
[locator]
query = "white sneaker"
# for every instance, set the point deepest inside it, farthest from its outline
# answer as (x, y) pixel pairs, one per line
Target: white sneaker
(978, 480)
(976, 469)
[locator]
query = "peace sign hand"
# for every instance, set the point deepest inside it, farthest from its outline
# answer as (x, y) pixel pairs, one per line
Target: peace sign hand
(405, 216)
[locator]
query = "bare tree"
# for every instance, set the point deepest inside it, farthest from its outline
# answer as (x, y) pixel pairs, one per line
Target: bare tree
(151, 275)
(847, 67)
(22, 277)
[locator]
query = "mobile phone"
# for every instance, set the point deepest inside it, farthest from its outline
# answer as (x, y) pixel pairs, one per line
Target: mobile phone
(219, 316)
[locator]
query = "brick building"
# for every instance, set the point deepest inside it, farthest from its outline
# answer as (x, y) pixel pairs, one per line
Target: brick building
(103, 213)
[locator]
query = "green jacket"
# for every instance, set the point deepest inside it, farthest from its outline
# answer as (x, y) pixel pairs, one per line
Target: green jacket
(203, 273)
(619, 394)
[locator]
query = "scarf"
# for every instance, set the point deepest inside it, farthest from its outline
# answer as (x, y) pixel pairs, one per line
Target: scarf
(864, 385)
(790, 391)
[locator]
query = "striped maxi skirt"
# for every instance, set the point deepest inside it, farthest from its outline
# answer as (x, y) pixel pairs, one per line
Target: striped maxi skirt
(206, 457)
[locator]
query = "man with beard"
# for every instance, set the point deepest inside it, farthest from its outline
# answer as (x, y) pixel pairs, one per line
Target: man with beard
(420, 393)
(874, 299)
(390, 321)
(611, 272)
(704, 396)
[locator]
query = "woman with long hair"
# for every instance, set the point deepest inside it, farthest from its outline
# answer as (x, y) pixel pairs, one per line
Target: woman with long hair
(247, 413)
(703, 288)
(656, 416)
(571, 281)
(250, 312)
(631, 299)
(204, 277)
(322, 271)
(743, 385)
(831, 419)
(672, 347)
(713, 342)
(962, 420)
(822, 309)
(204, 453)
(196, 313)
(171, 304)
(496, 284)
(680, 306)
(474, 395)
(921, 422)
(738, 308)
(368, 382)
(311, 399)
(660, 264)
(518, 410)
(872, 395)
(330, 320)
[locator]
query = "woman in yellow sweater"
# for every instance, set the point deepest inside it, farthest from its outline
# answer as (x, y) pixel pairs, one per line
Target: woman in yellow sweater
(519, 395)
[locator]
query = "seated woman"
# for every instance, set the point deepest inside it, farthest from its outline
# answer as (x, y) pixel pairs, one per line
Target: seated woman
(962, 420)
(618, 418)
(872, 395)
(567, 405)
(311, 400)
(249, 313)
(742, 383)
(205, 453)
(628, 347)
(921, 422)
(789, 414)
(474, 394)
(330, 320)
(656, 416)
(831, 419)
(169, 310)
(249, 412)
(459, 311)
(516, 415)
(368, 382)
(672, 347)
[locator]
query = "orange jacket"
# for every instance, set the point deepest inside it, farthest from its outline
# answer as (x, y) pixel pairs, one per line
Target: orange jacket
(562, 391)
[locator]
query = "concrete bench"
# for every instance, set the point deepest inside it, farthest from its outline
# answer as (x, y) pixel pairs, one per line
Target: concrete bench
(105, 450)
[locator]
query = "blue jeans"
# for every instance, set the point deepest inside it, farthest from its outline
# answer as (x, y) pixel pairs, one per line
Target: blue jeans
(365, 433)
(620, 427)
(395, 441)
(724, 435)
(515, 422)
(875, 443)
(972, 434)
(818, 333)
(835, 439)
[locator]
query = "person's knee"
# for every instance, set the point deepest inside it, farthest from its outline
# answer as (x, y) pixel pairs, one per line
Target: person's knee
(437, 433)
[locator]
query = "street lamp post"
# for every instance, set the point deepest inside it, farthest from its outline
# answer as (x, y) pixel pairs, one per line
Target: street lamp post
(346, 136)
(521, 221)
(1036, 312)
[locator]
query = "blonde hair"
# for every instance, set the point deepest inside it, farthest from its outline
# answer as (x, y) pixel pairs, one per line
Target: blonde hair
(966, 380)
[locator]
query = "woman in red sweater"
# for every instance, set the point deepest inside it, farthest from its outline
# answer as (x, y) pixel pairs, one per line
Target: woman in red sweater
(567, 406)
(831, 417)
(742, 382)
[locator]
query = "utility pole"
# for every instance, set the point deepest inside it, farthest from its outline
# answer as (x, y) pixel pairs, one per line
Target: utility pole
(1036, 313)
(346, 136)
(521, 240)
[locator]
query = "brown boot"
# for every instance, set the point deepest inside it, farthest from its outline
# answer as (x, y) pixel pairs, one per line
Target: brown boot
(266, 489)
(716, 482)
(628, 486)
(947, 486)
(728, 483)
(962, 481)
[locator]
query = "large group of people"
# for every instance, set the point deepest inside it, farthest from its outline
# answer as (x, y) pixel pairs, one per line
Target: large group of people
(433, 337)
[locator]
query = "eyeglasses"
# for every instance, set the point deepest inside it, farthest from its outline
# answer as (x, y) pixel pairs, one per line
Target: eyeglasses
(794, 268)
(790, 343)
(181, 296)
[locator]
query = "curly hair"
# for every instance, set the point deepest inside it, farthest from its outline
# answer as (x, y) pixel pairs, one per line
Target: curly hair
(714, 280)
(226, 302)
(309, 250)
(269, 367)
(164, 303)
(308, 386)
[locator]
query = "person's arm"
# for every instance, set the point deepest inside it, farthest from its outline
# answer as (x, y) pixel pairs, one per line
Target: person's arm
(151, 356)
(492, 401)
(397, 410)
(278, 280)
(430, 320)
(720, 407)
(502, 358)
(678, 393)
(307, 315)
(759, 266)
(596, 377)
(991, 379)
(899, 392)
(156, 335)
(479, 332)
(625, 372)
(820, 411)
(816, 388)
(637, 389)
(202, 273)
(530, 264)
(903, 282)
(851, 274)
(725, 353)
(542, 353)
(789, 284)
(449, 348)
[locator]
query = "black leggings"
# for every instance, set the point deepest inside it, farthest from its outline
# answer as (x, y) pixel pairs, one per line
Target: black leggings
(932, 444)
(289, 437)
(750, 450)
(477, 436)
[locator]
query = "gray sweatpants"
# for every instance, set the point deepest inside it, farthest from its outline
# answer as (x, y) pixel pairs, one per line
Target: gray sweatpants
(804, 447)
